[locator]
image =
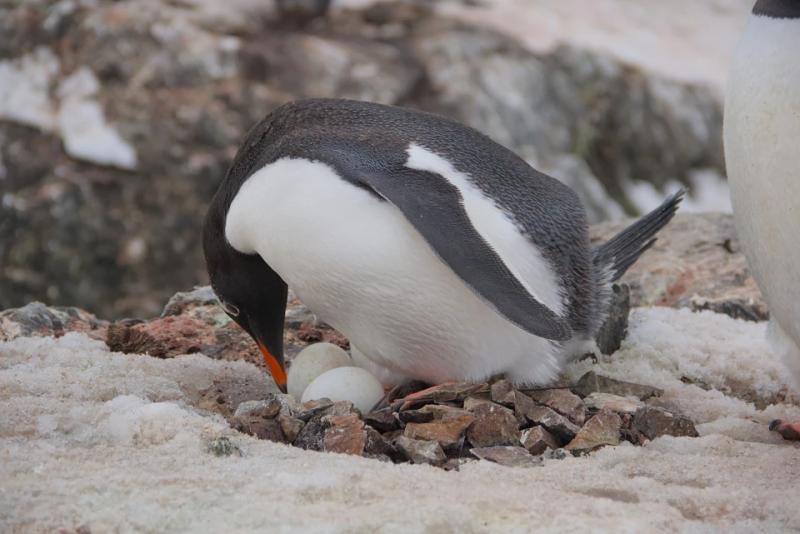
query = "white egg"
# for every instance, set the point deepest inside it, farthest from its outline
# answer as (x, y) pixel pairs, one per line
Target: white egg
(312, 362)
(352, 384)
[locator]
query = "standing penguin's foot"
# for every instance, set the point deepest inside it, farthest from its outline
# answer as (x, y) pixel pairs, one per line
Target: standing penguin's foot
(790, 431)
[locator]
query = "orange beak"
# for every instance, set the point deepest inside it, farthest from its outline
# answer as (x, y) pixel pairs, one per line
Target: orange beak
(275, 368)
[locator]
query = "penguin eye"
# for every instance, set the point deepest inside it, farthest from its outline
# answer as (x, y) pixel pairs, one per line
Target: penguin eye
(229, 308)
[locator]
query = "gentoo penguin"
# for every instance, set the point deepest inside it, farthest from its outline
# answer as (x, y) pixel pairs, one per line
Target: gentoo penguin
(440, 254)
(762, 154)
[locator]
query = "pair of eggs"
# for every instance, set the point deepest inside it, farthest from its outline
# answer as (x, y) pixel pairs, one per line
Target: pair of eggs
(323, 370)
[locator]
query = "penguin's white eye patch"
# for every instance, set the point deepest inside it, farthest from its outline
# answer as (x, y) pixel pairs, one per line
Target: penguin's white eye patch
(229, 308)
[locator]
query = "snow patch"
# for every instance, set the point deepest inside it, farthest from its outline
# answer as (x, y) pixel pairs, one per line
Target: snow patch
(25, 87)
(83, 126)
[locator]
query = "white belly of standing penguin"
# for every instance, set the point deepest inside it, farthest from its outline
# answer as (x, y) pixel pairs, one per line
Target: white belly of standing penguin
(358, 264)
(762, 128)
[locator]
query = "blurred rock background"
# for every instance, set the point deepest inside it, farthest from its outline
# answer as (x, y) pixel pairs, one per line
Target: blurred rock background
(118, 119)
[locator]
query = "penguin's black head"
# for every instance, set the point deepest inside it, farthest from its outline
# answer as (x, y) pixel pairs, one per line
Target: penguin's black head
(250, 292)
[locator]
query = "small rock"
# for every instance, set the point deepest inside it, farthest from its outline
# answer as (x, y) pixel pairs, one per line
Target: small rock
(311, 436)
(615, 328)
(309, 409)
(564, 402)
(654, 422)
(267, 408)
(222, 446)
(421, 452)
(613, 403)
(507, 456)
(376, 445)
(502, 392)
(447, 427)
(470, 403)
(454, 464)
(259, 427)
(494, 425)
(382, 420)
(340, 408)
(537, 440)
(415, 416)
(555, 454)
(291, 426)
(602, 429)
(344, 434)
(591, 382)
(289, 405)
(558, 425)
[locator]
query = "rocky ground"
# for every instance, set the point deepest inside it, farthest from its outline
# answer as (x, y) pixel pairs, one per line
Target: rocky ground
(694, 265)
(172, 423)
(118, 120)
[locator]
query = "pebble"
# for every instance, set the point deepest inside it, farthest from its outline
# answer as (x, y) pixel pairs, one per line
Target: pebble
(268, 408)
(447, 428)
(311, 436)
(591, 382)
(507, 456)
(602, 429)
(382, 420)
(558, 425)
(290, 426)
(494, 425)
(537, 440)
(613, 403)
(311, 362)
(261, 428)
(654, 422)
(502, 392)
(344, 434)
(563, 401)
(421, 452)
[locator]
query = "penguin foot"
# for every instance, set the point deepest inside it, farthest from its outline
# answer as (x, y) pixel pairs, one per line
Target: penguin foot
(789, 431)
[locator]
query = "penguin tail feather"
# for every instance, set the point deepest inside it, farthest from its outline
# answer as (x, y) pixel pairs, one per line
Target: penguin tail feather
(617, 255)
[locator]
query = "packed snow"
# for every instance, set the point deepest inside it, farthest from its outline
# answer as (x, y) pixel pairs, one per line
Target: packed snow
(106, 441)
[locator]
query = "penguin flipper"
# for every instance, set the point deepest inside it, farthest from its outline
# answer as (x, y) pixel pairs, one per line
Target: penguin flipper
(435, 208)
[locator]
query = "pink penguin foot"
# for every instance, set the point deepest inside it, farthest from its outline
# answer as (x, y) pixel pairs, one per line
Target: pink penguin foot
(790, 431)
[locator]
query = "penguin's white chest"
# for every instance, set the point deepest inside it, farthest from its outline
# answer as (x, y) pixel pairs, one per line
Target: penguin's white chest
(762, 152)
(361, 267)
